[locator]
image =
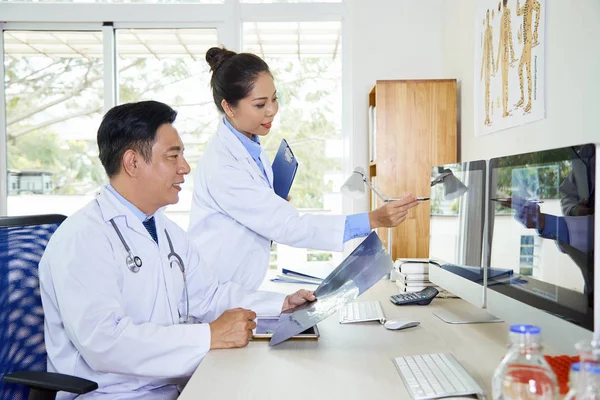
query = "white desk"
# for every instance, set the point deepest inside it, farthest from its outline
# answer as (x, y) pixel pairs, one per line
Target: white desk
(350, 361)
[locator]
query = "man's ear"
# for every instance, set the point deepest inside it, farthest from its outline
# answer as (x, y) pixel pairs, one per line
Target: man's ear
(131, 161)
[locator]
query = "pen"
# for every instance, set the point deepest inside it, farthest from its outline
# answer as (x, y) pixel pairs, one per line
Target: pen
(400, 198)
(507, 200)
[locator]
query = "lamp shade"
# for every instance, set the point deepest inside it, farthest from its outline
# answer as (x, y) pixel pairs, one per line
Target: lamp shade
(355, 184)
(453, 188)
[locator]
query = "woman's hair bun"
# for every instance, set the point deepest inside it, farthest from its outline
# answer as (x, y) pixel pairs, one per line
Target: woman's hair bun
(215, 56)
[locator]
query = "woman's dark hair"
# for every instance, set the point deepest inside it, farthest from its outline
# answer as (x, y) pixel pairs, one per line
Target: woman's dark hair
(131, 126)
(233, 74)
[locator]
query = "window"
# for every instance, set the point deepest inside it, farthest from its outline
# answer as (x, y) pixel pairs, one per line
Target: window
(55, 76)
(304, 58)
(290, 1)
(318, 256)
(54, 103)
(168, 65)
(528, 255)
(305, 61)
(117, 1)
(273, 256)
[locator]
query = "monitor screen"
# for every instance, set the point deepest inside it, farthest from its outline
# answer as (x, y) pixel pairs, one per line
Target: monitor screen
(541, 226)
(457, 218)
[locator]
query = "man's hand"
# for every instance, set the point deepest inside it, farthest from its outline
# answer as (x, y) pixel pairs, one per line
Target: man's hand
(232, 329)
(392, 213)
(297, 299)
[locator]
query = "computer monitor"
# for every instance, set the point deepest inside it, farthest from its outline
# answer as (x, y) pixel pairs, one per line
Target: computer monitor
(541, 226)
(457, 221)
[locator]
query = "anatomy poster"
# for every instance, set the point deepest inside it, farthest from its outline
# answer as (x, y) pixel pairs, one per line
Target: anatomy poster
(509, 64)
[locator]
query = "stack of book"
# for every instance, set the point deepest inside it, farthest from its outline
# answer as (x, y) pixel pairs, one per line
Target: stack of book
(412, 276)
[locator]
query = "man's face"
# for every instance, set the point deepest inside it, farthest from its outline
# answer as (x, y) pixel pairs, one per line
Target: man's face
(163, 175)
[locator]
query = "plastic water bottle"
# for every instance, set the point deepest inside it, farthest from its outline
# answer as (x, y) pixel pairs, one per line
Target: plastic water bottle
(524, 373)
(573, 378)
(588, 383)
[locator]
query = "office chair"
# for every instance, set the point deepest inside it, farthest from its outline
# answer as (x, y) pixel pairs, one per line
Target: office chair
(22, 349)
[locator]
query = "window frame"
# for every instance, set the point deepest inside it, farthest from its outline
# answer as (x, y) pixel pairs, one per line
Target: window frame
(228, 18)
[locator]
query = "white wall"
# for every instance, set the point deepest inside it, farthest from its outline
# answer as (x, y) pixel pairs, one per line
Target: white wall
(572, 79)
(388, 39)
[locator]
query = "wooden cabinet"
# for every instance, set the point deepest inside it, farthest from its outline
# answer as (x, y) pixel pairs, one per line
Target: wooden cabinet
(415, 128)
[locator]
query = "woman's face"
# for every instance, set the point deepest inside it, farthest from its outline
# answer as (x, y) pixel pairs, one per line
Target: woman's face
(254, 113)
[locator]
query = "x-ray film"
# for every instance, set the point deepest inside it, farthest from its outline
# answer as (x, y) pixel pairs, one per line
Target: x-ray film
(366, 265)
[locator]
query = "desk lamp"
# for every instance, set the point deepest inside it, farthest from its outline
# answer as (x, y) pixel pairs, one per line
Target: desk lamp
(355, 187)
(453, 188)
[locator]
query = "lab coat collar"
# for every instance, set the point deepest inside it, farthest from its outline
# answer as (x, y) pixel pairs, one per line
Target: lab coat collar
(251, 145)
(266, 163)
(233, 144)
(239, 152)
(111, 207)
(136, 211)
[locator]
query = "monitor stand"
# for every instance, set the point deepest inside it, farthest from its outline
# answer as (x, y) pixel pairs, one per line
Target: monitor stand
(474, 316)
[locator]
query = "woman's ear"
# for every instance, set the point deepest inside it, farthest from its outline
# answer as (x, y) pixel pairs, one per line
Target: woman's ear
(130, 163)
(227, 108)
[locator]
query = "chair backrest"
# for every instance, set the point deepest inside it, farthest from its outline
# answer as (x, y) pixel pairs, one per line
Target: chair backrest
(22, 243)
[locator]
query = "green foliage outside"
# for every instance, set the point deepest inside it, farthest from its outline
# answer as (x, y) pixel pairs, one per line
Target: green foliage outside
(546, 169)
(44, 94)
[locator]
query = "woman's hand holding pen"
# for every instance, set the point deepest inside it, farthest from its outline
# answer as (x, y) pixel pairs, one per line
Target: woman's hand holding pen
(526, 212)
(392, 213)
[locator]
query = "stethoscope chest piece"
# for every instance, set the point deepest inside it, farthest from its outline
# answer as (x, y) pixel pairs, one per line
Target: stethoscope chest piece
(134, 263)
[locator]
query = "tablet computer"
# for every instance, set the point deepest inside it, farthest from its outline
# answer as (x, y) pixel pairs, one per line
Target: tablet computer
(285, 166)
(265, 326)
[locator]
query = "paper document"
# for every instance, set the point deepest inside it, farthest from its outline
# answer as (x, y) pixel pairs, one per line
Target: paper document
(311, 273)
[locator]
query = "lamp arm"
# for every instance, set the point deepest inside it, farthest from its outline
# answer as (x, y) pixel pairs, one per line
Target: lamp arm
(366, 181)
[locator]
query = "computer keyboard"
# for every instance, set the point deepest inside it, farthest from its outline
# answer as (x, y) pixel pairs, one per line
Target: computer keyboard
(361, 311)
(433, 376)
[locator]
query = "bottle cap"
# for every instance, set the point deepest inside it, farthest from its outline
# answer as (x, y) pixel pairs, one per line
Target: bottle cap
(525, 329)
(591, 368)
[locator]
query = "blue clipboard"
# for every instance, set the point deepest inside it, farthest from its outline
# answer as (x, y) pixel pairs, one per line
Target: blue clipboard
(285, 166)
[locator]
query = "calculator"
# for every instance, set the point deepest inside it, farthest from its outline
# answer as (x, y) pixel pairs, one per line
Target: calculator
(421, 298)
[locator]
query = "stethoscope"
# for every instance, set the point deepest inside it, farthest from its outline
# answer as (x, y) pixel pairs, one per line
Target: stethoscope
(134, 263)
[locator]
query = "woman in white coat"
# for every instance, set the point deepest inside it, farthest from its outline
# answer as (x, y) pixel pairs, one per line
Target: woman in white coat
(235, 212)
(119, 280)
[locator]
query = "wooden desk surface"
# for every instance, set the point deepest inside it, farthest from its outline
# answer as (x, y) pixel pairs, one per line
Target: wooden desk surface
(349, 361)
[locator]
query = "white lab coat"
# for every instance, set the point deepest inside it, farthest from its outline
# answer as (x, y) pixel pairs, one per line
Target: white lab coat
(236, 214)
(119, 328)
(575, 187)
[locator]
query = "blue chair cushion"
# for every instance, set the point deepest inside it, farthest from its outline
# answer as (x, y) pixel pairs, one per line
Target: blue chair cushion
(21, 315)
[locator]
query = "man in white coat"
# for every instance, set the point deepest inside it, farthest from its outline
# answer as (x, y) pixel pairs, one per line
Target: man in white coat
(121, 284)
